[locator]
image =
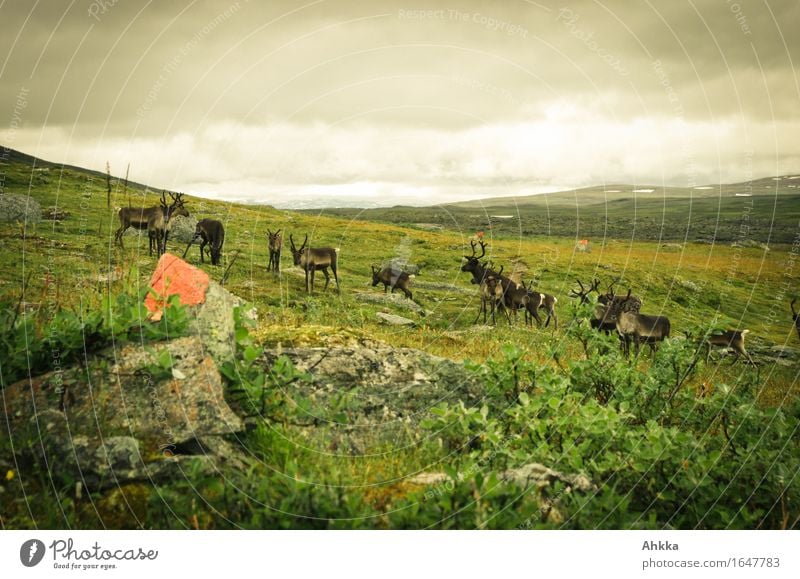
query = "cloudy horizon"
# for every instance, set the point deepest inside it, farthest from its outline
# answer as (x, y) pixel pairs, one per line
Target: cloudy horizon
(338, 102)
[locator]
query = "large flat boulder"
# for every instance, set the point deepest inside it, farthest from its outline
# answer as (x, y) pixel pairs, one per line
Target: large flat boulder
(123, 411)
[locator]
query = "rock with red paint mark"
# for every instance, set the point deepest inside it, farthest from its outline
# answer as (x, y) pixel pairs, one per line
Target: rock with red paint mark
(210, 305)
(174, 276)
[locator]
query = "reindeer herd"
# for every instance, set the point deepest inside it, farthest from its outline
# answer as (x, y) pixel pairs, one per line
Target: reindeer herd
(499, 294)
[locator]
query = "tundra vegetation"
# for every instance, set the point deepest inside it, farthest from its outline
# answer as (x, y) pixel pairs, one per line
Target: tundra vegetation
(671, 440)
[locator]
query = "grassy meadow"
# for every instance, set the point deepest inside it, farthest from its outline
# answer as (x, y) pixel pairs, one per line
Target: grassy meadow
(698, 284)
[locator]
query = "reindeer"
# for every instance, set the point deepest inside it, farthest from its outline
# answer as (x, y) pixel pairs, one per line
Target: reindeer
(583, 293)
(392, 278)
(609, 305)
(275, 246)
(211, 232)
(639, 328)
(159, 222)
(492, 294)
(538, 300)
(480, 271)
(136, 217)
(796, 318)
(313, 259)
(729, 339)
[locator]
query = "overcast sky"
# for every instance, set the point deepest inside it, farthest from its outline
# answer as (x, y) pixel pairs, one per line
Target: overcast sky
(381, 103)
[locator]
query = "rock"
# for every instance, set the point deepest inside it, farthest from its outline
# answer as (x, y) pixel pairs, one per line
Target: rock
(446, 287)
(688, 284)
(174, 276)
(539, 475)
(400, 264)
(394, 320)
(211, 305)
(182, 228)
(393, 299)
(23, 208)
(369, 391)
(118, 420)
(214, 323)
(528, 475)
(55, 213)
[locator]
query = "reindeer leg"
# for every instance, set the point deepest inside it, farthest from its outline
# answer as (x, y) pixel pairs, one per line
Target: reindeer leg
(327, 278)
(335, 268)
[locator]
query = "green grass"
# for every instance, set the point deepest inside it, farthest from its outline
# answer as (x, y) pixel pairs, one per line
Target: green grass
(61, 265)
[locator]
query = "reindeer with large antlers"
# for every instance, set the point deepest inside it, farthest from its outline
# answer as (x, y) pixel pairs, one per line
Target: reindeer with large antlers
(480, 272)
(140, 218)
(312, 259)
(604, 312)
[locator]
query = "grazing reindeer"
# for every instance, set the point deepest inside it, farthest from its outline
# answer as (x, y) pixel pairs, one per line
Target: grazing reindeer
(796, 318)
(212, 233)
(391, 278)
(311, 259)
(275, 246)
(640, 328)
(159, 222)
(729, 339)
(544, 302)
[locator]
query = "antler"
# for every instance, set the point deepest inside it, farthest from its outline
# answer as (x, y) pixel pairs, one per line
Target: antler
(291, 241)
(163, 198)
(483, 249)
(305, 241)
(793, 310)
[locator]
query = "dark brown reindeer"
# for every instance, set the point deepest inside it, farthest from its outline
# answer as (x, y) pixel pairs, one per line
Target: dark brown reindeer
(275, 246)
(733, 339)
(796, 318)
(639, 328)
(312, 259)
(159, 223)
(211, 232)
(392, 278)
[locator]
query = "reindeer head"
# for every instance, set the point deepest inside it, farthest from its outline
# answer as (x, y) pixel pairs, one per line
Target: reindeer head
(583, 293)
(176, 207)
(375, 275)
(473, 261)
(297, 254)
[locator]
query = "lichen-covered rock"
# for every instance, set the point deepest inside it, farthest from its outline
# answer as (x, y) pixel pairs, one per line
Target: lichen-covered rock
(395, 320)
(394, 299)
(181, 228)
(119, 395)
(22, 208)
(367, 392)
